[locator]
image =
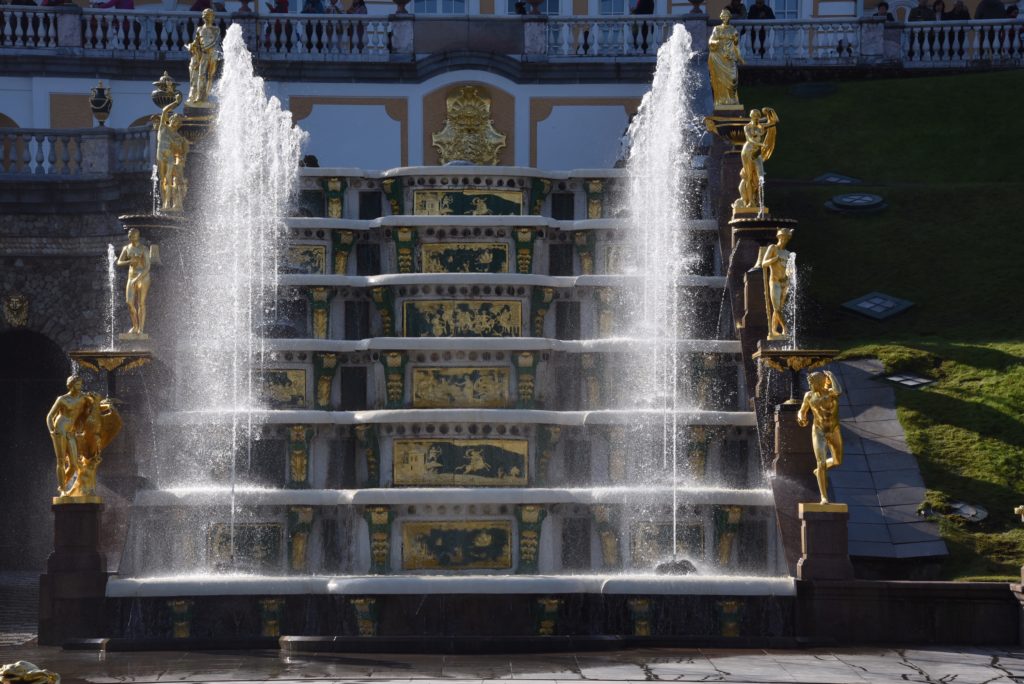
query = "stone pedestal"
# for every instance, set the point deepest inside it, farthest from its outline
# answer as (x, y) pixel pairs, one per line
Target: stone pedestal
(823, 540)
(72, 591)
(792, 478)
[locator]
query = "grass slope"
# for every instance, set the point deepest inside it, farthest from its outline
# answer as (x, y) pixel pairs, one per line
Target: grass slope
(952, 241)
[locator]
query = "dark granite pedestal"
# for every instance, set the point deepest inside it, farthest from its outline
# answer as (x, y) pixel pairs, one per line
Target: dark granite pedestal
(824, 541)
(71, 593)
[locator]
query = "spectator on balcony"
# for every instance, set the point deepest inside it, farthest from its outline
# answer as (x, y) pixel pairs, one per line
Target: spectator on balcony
(30, 3)
(990, 9)
(116, 4)
(313, 7)
(278, 7)
(520, 7)
(53, 3)
(923, 12)
(334, 7)
(958, 13)
(201, 5)
(759, 10)
(737, 9)
(643, 7)
(358, 7)
(882, 10)
(1012, 12)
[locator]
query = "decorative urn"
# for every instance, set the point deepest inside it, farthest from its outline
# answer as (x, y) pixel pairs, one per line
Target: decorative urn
(100, 101)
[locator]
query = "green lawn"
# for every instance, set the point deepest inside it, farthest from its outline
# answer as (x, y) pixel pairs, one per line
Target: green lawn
(951, 242)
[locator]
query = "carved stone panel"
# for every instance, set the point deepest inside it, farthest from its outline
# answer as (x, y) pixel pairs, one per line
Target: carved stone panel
(457, 545)
(461, 462)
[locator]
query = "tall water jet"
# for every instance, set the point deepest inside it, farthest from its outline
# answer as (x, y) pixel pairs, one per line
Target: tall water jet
(251, 176)
(659, 166)
(111, 301)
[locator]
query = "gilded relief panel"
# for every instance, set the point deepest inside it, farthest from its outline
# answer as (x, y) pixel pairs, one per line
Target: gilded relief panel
(461, 462)
(284, 389)
(256, 545)
(472, 318)
(457, 545)
(444, 387)
(464, 257)
(305, 259)
(467, 202)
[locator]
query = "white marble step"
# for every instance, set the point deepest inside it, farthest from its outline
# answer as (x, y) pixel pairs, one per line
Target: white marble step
(512, 279)
(511, 344)
(451, 221)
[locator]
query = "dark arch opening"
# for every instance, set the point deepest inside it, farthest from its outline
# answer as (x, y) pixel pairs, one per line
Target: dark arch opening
(33, 371)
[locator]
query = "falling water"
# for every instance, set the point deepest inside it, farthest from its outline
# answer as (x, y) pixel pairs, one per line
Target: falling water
(252, 175)
(663, 135)
(792, 305)
(155, 178)
(111, 284)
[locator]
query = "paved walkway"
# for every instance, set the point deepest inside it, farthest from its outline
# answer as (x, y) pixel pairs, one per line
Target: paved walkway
(833, 666)
(19, 607)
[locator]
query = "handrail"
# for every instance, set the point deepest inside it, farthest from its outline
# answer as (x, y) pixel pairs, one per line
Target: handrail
(61, 154)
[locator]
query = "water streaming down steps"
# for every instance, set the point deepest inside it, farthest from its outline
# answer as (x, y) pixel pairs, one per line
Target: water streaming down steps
(202, 500)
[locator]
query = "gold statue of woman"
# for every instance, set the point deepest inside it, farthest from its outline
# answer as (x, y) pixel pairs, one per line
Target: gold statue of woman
(724, 59)
(171, 154)
(759, 144)
(202, 64)
(775, 263)
(822, 402)
(137, 258)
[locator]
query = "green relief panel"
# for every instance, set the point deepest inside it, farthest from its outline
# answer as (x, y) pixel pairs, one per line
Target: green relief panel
(461, 462)
(468, 202)
(256, 545)
(457, 545)
(440, 318)
(464, 257)
(305, 259)
(283, 388)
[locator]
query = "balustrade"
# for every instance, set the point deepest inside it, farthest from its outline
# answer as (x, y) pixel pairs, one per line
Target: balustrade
(961, 43)
(65, 154)
(27, 27)
(817, 41)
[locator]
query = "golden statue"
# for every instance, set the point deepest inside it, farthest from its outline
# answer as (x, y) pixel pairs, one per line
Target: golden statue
(137, 257)
(724, 61)
(760, 143)
(81, 425)
(202, 64)
(468, 133)
(24, 672)
(822, 402)
(775, 263)
(171, 153)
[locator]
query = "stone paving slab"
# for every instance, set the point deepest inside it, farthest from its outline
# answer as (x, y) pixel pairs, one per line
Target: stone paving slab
(748, 666)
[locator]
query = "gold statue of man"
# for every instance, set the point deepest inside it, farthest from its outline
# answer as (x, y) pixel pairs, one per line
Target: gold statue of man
(137, 258)
(775, 263)
(202, 65)
(759, 144)
(724, 59)
(81, 424)
(822, 402)
(171, 154)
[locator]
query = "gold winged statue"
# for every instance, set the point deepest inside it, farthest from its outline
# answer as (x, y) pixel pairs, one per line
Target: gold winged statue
(759, 134)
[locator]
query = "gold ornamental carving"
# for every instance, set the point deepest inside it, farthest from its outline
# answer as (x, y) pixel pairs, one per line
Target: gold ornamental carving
(16, 310)
(468, 133)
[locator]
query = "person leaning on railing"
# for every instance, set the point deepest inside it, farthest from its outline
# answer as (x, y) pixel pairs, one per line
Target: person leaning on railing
(882, 10)
(759, 10)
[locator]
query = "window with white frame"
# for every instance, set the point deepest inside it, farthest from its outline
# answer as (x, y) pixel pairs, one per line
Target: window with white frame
(613, 7)
(439, 6)
(549, 7)
(785, 9)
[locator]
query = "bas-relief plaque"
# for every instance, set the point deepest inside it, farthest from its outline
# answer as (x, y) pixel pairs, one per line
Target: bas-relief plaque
(444, 387)
(457, 545)
(256, 545)
(468, 202)
(651, 542)
(284, 388)
(461, 462)
(473, 318)
(464, 257)
(305, 259)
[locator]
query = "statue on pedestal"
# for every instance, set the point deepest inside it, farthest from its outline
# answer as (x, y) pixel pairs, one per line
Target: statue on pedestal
(81, 424)
(204, 52)
(822, 402)
(724, 59)
(759, 144)
(171, 153)
(775, 263)
(137, 258)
